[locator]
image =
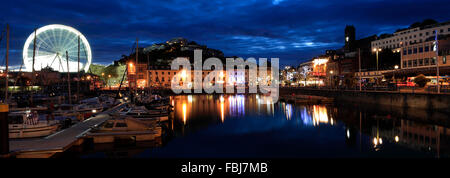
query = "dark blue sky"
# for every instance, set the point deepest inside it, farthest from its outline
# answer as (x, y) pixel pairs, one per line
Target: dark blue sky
(293, 30)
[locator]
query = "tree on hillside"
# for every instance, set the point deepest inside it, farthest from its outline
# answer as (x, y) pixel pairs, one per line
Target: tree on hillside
(111, 70)
(96, 69)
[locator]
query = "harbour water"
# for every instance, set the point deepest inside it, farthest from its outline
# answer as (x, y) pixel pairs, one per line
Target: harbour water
(247, 126)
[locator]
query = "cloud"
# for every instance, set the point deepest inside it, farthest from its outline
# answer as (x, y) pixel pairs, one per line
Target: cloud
(276, 2)
(293, 30)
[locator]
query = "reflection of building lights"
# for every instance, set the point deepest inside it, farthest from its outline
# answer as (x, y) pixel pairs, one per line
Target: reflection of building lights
(348, 133)
(184, 113)
(320, 114)
(190, 98)
(288, 111)
(237, 104)
(222, 99)
(222, 111)
(397, 139)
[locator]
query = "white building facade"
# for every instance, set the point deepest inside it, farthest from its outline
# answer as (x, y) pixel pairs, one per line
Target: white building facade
(412, 36)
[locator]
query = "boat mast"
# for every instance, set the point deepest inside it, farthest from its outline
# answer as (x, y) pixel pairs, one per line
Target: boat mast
(78, 73)
(121, 81)
(7, 63)
(68, 77)
(137, 53)
(34, 50)
(33, 79)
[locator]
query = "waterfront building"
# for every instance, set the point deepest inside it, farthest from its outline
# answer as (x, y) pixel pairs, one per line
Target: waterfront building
(423, 55)
(410, 36)
(161, 76)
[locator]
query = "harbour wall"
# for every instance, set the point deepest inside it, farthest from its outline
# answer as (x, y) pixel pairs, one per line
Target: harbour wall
(425, 101)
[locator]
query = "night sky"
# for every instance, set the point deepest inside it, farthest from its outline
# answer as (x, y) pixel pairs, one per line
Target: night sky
(292, 30)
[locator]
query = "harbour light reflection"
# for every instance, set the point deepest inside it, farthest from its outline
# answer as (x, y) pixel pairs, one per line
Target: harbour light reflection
(288, 111)
(237, 105)
(320, 115)
(222, 108)
(184, 113)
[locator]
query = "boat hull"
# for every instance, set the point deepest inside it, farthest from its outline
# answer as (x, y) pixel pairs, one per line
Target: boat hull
(30, 131)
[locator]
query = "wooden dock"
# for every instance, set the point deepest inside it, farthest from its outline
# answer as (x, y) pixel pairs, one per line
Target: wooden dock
(58, 142)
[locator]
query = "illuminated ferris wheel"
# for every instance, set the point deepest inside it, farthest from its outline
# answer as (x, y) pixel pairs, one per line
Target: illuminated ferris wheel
(52, 42)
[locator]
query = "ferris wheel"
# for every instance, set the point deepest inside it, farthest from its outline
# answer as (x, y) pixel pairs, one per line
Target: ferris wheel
(52, 42)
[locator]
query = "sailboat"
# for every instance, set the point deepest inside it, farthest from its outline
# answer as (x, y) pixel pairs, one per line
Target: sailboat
(26, 123)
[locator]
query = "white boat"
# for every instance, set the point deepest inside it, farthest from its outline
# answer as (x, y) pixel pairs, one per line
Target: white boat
(141, 111)
(65, 110)
(89, 108)
(92, 105)
(26, 124)
(143, 114)
(107, 101)
(120, 128)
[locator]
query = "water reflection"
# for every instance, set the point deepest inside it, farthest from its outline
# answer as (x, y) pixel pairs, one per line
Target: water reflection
(184, 113)
(211, 125)
(237, 105)
(320, 115)
(288, 110)
(375, 129)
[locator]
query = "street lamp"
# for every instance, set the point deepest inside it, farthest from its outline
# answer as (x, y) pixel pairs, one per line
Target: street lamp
(103, 76)
(376, 50)
(395, 81)
(395, 67)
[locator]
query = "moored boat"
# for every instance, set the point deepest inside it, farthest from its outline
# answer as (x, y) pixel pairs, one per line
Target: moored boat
(26, 124)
